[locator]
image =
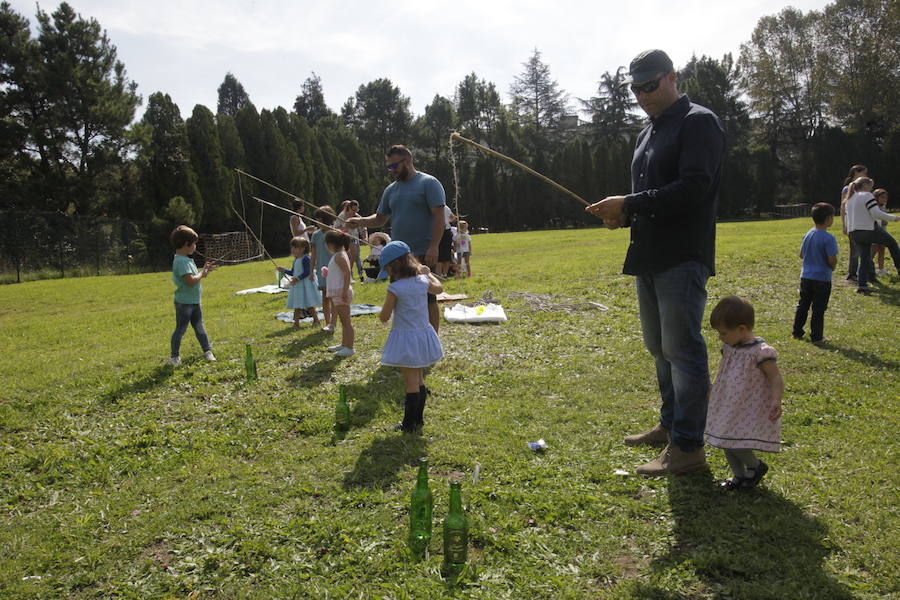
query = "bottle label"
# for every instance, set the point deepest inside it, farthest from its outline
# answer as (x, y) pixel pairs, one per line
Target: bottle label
(457, 546)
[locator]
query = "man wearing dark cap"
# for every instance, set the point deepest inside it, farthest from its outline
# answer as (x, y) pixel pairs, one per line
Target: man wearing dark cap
(671, 211)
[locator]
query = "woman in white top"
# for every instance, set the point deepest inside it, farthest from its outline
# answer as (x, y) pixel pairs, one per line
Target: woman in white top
(350, 208)
(861, 215)
(298, 227)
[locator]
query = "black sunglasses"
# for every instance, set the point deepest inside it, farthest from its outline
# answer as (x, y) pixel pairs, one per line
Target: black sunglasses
(393, 166)
(647, 88)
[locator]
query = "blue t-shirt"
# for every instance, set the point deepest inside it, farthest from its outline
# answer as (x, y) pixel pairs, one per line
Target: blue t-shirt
(184, 293)
(409, 205)
(322, 254)
(817, 246)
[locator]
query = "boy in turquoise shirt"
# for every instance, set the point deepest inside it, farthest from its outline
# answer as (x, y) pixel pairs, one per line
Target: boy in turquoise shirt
(187, 292)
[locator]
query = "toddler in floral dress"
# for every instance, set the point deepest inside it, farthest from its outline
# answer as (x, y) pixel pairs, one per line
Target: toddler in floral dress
(744, 411)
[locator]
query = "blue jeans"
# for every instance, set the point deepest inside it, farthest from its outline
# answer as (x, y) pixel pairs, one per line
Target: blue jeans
(863, 240)
(188, 314)
(671, 305)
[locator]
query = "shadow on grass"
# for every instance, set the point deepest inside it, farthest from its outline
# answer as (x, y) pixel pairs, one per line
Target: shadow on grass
(154, 378)
(312, 338)
(888, 295)
(378, 465)
(315, 373)
(383, 385)
(745, 544)
(866, 358)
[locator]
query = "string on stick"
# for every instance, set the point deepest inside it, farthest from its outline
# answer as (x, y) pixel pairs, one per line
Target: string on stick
(455, 178)
(319, 223)
(259, 241)
(456, 136)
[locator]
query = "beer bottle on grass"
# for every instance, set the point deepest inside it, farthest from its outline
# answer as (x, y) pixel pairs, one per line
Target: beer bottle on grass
(250, 364)
(456, 534)
(342, 411)
(420, 507)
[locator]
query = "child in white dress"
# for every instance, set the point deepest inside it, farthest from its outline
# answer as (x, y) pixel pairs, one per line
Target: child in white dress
(412, 344)
(303, 291)
(744, 411)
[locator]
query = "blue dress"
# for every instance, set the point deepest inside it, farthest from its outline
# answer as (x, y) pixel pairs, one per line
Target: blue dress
(305, 293)
(412, 342)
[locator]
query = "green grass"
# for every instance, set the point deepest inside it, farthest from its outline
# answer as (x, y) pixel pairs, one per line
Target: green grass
(124, 478)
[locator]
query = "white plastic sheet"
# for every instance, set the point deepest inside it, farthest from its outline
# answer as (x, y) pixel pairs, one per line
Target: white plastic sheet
(483, 313)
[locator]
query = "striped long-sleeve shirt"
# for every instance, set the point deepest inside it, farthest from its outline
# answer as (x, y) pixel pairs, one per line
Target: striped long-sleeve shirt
(863, 211)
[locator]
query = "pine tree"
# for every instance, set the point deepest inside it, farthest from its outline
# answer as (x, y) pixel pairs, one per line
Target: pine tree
(213, 179)
(232, 97)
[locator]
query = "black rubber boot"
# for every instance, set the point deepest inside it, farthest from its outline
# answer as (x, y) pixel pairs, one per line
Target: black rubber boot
(410, 409)
(420, 406)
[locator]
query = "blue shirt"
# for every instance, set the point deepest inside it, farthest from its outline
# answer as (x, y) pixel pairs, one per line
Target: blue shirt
(817, 246)
(409, 205)
(184, 293)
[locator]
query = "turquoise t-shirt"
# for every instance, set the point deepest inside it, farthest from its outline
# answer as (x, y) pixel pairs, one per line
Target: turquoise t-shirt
(184, 293)
(322, 254)
(409, 205)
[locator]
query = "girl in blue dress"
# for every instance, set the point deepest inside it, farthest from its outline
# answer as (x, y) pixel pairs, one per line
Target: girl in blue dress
(303, 291)
(412, 344)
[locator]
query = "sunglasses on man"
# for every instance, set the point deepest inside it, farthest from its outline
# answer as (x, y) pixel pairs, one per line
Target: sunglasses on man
(647, 88)
(395, 165)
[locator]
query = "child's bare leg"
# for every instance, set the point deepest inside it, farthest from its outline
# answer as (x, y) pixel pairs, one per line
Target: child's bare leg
(411, 379)
(879, 251)
(347, 332)
(326, 310)
(468, 268)
(315, 315)
(297, 315)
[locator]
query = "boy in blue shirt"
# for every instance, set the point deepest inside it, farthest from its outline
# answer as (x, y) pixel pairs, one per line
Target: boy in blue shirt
(819, 253)
(187, 292)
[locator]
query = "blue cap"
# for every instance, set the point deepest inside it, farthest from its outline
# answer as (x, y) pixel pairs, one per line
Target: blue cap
(389, 254)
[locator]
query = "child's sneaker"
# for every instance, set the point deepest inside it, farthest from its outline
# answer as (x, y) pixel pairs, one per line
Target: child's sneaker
(328, 329)
(344, 351)
(209, 356)
(174, 361)
(334, 348)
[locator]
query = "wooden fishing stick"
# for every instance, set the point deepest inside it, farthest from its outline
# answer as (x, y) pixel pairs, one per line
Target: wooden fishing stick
(319, 223)
(456, 136)
(259, 241)
(275, 187)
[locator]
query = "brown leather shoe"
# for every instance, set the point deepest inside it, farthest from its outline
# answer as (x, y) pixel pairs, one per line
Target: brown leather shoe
(674, 460)
(657, 436)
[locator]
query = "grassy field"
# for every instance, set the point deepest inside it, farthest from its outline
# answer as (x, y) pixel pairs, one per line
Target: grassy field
(124, 478)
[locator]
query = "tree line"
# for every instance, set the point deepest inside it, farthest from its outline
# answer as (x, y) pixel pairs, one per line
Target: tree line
(809, 95)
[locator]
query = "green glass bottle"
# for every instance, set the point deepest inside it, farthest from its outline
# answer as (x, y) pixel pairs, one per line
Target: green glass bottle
(342, 411)
(420, 507)
(250, 364)
(456, 534)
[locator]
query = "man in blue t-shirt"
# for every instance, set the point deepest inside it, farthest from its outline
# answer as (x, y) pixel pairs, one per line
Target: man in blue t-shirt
(819, 252)
(414, 203)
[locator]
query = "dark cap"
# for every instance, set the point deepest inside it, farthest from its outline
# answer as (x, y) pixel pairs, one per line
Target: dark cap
(647, 65)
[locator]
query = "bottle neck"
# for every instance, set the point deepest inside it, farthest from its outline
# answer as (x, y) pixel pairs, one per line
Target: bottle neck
(455, 498)
(422, 478)
(343, 393)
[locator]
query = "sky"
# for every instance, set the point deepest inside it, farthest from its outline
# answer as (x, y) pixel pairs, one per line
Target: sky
(184, 48)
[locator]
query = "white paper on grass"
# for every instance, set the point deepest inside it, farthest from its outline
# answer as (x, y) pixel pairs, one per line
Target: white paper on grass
(484, 313)
(266, 289)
